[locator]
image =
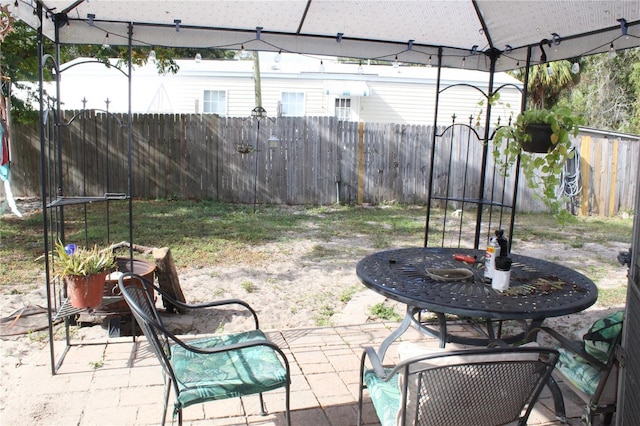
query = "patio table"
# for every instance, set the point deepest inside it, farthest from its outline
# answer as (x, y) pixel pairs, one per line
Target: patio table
(538, 289)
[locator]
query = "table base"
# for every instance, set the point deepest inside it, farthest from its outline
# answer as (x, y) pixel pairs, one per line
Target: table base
(493, 331)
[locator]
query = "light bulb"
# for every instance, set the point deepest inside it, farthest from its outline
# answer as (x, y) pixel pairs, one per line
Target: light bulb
(549, 70)
(516, 71)
(198, 58)
(575, 68)
(395, 62)
(360, 70)
(106, 44)
(429, 62)
(278, 57)
(612, 52)
(152, 55)
(321, 69)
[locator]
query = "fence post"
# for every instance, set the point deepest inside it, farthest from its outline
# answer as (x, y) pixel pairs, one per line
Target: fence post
(614, 178)
(360, 163)
(585, 171)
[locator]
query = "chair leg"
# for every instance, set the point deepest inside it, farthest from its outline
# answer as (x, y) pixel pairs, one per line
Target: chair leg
(608, 418)
(360, 394)
(587, 418)
(558, 401)
(263, 411)
(287, 409)
(167, 391)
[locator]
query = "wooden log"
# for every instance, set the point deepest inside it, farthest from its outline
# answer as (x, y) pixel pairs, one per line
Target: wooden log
(168, 278)
(136, 247)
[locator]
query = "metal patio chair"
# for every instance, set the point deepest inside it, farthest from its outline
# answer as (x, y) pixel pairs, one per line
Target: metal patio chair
(210, 368)
(589, 367)
(477, 387)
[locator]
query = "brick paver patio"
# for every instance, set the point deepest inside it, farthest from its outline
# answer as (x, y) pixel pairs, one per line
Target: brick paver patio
(119, 382)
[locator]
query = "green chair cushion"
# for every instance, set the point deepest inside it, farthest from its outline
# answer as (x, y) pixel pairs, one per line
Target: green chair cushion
(579, 372)
(207, 377)
(600, 339)
(385, 397)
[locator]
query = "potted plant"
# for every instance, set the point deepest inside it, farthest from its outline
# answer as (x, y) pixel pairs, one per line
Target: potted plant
(84, 271)
(541, 138)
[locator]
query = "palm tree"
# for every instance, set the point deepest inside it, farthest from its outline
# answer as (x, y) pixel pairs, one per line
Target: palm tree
(546, 82)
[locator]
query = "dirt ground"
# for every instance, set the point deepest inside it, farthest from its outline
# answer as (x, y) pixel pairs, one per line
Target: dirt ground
(300, 287)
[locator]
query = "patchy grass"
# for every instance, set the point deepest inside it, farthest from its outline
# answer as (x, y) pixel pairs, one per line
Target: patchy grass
(249, 286)
(206, 233)
(347, 293)
(382, 311)
(323, 315)
(608, 297)
(536, 227)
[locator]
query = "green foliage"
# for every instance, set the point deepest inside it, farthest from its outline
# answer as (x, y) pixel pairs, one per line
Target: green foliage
(545, 88)
(381, 311)
(205, 233)
(249, 286)
(19, 61)
(323, 317)
(82, 262)
(608, 297)
(347, 293)
(541, 171)
(96, 364)
(608, 92)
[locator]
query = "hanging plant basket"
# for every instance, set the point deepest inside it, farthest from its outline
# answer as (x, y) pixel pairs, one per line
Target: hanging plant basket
(540, 141)
(85, 291)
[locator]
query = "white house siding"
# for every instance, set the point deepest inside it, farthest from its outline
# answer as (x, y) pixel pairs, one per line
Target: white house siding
(406, 95)
(391, 102)
(272, 89)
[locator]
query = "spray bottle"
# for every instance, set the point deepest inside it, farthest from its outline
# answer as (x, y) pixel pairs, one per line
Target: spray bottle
(490, 258)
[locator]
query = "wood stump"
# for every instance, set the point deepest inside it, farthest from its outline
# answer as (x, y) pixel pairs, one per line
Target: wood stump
(168, 278)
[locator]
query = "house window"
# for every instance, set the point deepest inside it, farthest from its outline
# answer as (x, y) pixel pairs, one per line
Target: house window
(293, 104)
(343, 109)
(215, 102)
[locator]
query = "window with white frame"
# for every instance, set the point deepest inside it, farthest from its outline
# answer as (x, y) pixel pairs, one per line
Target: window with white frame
(215, 102)
(292, 104)
(343, 109)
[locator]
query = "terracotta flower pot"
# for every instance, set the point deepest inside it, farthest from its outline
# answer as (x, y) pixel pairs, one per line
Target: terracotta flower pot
(85, 291)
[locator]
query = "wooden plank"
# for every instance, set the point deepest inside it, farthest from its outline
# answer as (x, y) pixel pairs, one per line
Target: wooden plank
(614, 177)
(164, 138)
(168, 278)
(193, 156)
(585, 171)
(212, 124)
(360, 163)
(599, 177)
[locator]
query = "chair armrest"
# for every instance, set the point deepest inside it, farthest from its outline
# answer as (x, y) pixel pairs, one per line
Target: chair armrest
(572, 346)
(184, 305)
(218, 303)
(376, 364)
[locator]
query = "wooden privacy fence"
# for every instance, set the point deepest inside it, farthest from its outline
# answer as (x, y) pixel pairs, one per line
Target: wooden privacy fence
(291, 160)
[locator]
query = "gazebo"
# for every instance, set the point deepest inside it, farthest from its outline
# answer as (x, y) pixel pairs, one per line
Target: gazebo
(485, 35)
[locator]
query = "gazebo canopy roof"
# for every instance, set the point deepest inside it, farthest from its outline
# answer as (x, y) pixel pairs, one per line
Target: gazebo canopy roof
(469, 32)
